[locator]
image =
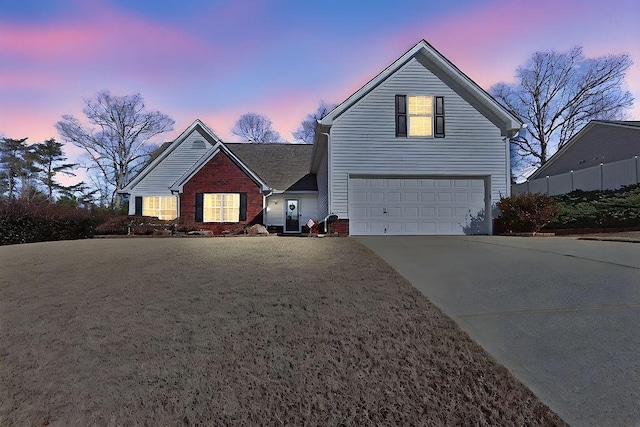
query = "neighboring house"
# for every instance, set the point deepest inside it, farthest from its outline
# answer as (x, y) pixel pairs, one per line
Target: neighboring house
(221, 186)
(420, 149)
(602, 155)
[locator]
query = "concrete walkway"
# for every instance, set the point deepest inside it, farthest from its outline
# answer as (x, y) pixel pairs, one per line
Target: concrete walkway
(562, 314)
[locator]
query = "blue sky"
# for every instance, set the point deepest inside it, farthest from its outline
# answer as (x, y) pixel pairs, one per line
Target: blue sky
(215, 60)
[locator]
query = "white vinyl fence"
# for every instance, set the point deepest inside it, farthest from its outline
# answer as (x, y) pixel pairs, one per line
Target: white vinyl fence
(606, 176)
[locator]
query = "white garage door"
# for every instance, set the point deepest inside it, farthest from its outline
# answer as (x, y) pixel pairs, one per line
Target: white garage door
(381, 206)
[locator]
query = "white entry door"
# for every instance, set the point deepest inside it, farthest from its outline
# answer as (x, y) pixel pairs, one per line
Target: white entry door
(416, 206)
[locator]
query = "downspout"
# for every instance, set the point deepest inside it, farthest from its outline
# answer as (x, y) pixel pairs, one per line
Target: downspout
(328, 134)
(177, 194)
(265, 208)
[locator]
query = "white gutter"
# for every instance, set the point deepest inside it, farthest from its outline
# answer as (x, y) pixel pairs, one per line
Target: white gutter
(329, 168)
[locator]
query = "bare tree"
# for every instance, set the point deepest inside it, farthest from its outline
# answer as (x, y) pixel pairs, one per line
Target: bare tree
(307, 130)
(255, 128)
(114, 144)
(557, 93)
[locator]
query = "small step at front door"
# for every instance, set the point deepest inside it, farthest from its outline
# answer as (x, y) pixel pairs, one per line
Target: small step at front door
(292, 216)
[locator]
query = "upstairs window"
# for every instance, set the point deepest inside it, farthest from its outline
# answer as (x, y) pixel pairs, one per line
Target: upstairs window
(415, 116)
(420, 111)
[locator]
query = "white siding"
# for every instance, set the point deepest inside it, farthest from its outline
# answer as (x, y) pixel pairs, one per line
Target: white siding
(275, 208)
(158, 181)
(363, 139)
(322, 178)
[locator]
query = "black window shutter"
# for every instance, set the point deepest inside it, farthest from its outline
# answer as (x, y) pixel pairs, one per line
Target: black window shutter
(439, 116)
(199, 207)
(401, 115)
(138, 207)
(243, 207)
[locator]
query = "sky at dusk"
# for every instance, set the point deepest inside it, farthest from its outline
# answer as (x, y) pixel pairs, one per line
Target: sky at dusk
(215, 60)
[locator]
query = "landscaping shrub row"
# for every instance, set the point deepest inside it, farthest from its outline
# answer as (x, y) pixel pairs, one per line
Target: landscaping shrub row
(599, 209)
(24, 222)
(142, 225)
(578, 209)
(30, 222)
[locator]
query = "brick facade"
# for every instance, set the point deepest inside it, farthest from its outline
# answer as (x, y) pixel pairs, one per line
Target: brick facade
(221, 175)
(341, 227)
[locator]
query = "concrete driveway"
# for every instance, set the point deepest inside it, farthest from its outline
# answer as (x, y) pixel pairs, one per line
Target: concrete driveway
(562, 314)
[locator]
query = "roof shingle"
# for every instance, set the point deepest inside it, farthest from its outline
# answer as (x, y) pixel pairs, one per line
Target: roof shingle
(281, 166)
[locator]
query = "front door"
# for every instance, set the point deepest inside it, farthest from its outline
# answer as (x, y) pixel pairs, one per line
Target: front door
(292, 216)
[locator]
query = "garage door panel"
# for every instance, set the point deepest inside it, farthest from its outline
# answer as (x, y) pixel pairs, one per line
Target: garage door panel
(445, 211)
(461, 211)
(461, 197)
(428, 196)
(410, 196)
(445, 228)
(376, 196)
(393, 196)
(395, 212)
(375, 212)
(477, 197)
(358, 182)
(444, 196)
(428, 212)
(374, 228)
(413, 206)
(411, 212)
(359, 196)
(394, 228)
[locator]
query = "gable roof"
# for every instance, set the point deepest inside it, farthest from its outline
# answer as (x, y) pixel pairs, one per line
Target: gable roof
(277, 167)
(430, 57)
(212, 152)
(167, 148)
(600, 141)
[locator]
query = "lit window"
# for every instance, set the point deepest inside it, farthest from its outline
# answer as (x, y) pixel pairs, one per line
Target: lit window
(162, 207)
(420, 110)
(415, 116)
(221, 207)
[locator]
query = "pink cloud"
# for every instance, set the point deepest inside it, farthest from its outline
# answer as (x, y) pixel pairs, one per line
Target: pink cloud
(105, 38)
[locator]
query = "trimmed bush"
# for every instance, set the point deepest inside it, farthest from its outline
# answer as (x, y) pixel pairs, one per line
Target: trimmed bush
(526, 213)
(24, 222)
(137, 225)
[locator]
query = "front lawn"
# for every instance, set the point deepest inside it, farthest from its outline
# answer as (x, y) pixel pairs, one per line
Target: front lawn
(240, 331)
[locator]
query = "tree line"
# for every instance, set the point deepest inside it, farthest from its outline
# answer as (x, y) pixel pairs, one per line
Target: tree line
(554, 93)
(31, 172)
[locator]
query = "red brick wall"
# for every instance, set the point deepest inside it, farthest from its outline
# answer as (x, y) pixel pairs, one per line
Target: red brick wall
(221, 175)
(341, 227)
